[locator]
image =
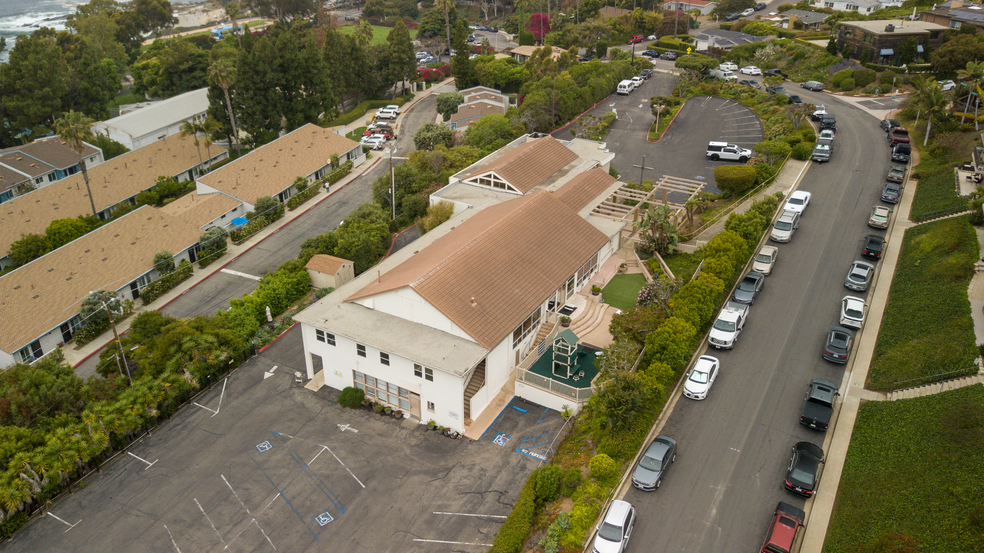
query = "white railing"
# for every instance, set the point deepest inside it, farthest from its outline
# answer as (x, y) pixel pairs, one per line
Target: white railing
(578, 395)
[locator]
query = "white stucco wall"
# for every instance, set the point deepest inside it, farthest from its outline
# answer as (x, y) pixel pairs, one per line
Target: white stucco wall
(408, 304)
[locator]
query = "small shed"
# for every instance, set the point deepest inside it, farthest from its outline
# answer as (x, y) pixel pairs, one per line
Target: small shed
(565, 354)
(328, 271)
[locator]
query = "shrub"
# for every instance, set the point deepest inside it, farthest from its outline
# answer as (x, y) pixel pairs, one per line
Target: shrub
(249, 229)
(839, 76)
(671, 342)
(864, 77)
(162, 285)
(164, 262)
(603, 468)
(514, 530)
(303, 195)
(351, 398)
(887, 78)
(548, 483)
(802, 151)
(848, 84)
(300, 184)
(735, 179)
(337, 174)
(572, 479)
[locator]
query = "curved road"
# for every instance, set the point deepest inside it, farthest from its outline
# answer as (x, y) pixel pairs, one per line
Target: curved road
(735, 446)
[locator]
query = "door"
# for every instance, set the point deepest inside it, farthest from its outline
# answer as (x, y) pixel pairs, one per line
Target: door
(415, 405)
(571, 287)
(193, 254)
(66, 330)
(135, 289)
(317, 365)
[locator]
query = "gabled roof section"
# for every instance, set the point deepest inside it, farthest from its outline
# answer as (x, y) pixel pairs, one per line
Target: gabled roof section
(200, 210)
(327, 264)
(46, 292)
(9, 177)
(271, 168)
(54, 151)
(23, 163)
(525, 166)
(147, 119)
(479, 108)
(583, 188)
(488, 274)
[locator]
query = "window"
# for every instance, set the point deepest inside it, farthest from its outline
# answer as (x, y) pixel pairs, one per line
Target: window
(418, 371)
(384, 392)
(360, 349)
(424, 372)
(384, 358)
(429, 375)
(320, 335)
(526, 328)
(430, 406)
(39, 180)
(954, 24)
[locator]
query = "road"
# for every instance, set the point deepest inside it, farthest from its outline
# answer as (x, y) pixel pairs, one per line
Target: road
(735, 446)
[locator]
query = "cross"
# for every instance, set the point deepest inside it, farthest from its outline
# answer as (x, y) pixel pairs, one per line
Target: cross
(642, 168)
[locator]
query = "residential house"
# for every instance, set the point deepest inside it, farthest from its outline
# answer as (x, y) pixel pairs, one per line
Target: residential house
(883, 39)
(328, 271)
(612, 11)
(41, 300)
(117, 181)
(724, 40)
(810, 20)
(860, 6)
(438, 329)
(523, 53)
(271, 169)
(41, 163)
(206, 211)
(469, 113)
(955, 14)
(687, 6)
(477, 93)
(156, 121)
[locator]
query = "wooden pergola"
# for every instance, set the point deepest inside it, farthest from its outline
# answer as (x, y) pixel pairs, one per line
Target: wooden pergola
(670, 191)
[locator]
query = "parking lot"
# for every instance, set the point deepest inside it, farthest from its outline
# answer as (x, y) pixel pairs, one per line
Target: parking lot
(261, 464)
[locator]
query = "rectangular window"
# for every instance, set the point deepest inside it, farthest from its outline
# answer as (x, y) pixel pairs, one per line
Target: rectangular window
(430, 406)
(360, 349)
(429, 375)
(526, 328)
(318, 334)
(384, 358)
(418, 371)
(330, 338)
(370, 381)
(385, 392)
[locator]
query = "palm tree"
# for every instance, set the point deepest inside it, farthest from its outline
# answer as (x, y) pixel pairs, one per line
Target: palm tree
(190, 128)
(75, 128)
(209, 127)
(658, 230)
(973, 75)
(223, 73)
(446, 6)
(363, 33)
(931, 98)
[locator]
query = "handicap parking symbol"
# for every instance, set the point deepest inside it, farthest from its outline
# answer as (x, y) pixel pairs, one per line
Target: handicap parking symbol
(323, 518)
(265, 446)
(501, 439)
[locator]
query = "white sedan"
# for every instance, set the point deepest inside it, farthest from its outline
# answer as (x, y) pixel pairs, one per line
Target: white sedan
(701, 377)
(728, 66)
(751, 70)
(826, 134)
(797, 202)
(852, 312)
(947, 85)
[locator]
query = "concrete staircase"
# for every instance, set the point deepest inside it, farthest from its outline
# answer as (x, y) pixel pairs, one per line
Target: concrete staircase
(937, 387)
(589, 320)
(475, 384)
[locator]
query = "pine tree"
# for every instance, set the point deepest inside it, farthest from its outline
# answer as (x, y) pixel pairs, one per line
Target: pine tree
(461, 66)
(401, 60)
(257, 106)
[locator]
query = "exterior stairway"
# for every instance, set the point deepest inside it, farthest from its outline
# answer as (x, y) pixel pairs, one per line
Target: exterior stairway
(936, 387)
(475, 384)
(589, 320)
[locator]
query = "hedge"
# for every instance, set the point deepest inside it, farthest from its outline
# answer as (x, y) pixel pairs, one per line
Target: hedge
(240, 235)
(878, 67)
(735, 179)
(337, 174)
(363, 108)
(160, 286)
(297, 199)
(517, 526)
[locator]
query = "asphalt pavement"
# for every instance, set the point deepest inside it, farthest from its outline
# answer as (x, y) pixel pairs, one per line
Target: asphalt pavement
(735, 446)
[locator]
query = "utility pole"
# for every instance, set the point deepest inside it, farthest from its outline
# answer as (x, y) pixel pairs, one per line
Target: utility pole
(390, 151)
(642, 169)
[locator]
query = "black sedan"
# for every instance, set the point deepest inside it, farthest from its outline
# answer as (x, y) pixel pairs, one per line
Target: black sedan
(654, 463)
(888, 124)
(749, 287)
(774, 73)
(795, 99)
(873, 247)
(759, 7)
(751, 83)
(837, 348)
(892, 192)
(804, 469)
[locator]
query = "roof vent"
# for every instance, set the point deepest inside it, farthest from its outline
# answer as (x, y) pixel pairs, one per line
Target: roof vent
(889, 28)
(473, 302)
(35, 297)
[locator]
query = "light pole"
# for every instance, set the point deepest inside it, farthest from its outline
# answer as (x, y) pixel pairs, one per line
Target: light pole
(112, 323)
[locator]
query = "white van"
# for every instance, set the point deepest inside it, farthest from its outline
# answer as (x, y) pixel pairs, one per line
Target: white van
(625, 87)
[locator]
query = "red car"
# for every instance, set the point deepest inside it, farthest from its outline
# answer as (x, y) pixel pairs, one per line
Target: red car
(636, 39)
(786, 521)
(385, 133)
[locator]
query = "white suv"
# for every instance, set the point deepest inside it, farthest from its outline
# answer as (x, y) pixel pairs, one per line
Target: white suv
(787, 223)
(386, 114)
(729, 152)
(375, 142)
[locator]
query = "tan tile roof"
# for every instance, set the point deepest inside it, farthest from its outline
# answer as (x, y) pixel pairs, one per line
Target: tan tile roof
(477, 109)
(53, 151)
(583, 188)
(10, 178)
(48, 291)
(271, 168)
(328, 264)
(201, 210)
(528, 51)
(489, 273)
(111, 182)
(528, 164)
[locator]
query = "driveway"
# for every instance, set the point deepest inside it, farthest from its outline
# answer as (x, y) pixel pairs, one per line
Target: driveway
(261, 464)
(735, 445)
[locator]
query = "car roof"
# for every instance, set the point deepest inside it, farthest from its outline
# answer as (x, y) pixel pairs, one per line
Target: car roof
(853, 299)
(839, 330)
(769, 249)
(800, 194)
(617, 511)
(706, 360)
(809, 448)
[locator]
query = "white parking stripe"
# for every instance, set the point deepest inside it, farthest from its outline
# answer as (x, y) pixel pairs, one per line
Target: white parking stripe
(237, 273)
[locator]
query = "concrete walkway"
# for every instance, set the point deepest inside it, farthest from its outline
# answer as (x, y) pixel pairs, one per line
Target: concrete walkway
(77, 354)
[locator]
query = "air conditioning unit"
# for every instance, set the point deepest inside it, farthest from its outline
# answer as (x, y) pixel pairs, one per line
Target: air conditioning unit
(889, 28)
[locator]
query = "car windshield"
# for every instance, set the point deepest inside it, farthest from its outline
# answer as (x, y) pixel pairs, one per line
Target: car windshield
(784, 225)
(699, 376)
(823, 147)
(747, 285)
(650, 463)
(725, 326)
(853, 312)
(763, 258)
(795, 200)
(803, 476)
(610, 532)
(879, 216)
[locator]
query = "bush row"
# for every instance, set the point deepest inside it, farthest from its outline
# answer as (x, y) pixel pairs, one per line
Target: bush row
(98, 325)
(240, 235)
(160, 286)
(361, 109)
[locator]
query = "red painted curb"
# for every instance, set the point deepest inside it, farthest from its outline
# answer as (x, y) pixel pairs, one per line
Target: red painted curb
(278, 337)
(667, 126)
(397, 235)
(569, 123)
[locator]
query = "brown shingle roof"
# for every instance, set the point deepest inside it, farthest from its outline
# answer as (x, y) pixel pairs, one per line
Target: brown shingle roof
(477, 109)
(488, 96)
(491, 272)
(200, 210)
(271, 168)
(120, 178)
(53, 151)
(26, 164)
(10, 178)
(328, 264)
(583, 188)
(528, 164)
(48, 291)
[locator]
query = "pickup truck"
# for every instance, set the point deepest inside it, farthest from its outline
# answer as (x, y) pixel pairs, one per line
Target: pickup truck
(822, 151)
(898, 135)
(818, 113)
(819, 404)
(728, 325)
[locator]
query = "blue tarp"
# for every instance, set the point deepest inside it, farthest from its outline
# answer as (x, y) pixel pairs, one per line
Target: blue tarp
(887, 52)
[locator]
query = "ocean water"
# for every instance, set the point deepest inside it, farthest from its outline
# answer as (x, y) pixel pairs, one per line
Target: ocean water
(22, 17)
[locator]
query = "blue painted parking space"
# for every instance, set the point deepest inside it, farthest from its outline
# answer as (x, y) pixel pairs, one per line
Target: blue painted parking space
(526, 428)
